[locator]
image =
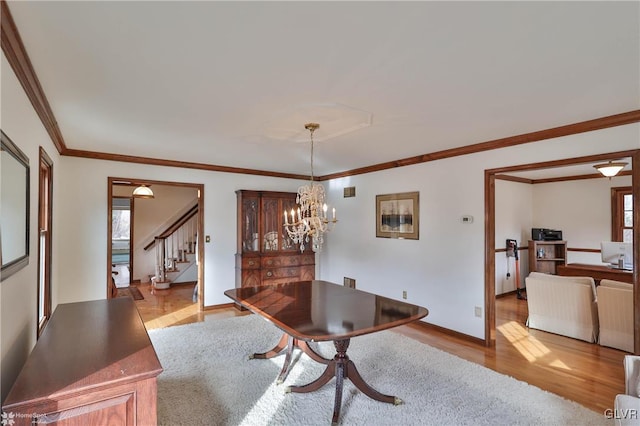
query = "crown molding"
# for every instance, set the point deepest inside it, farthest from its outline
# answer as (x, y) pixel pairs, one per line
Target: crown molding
(18, 58)
(558, 179)
(174, 163)
(555, 132)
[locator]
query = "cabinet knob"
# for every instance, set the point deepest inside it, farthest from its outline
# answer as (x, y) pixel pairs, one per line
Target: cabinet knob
(270, 262)
(269, 274)
(251, 263)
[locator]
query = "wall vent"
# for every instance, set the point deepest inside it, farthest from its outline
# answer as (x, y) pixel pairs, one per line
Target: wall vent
(349, 192)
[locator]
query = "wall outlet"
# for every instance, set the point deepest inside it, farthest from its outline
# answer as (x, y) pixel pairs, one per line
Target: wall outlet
(404, 294)
(207, 239)
(478, 311)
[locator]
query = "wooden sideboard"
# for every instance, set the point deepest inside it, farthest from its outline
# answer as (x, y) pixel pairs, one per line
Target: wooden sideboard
(94, 364)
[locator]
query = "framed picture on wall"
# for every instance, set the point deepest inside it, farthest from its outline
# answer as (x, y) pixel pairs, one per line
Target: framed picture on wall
(397, 215)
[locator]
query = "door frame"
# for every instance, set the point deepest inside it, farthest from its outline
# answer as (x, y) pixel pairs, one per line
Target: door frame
(200, 242)
(490, 226)
(45, 214)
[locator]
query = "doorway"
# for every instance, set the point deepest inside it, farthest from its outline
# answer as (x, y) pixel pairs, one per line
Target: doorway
(172, 205)
(490, 212)
(121, 242)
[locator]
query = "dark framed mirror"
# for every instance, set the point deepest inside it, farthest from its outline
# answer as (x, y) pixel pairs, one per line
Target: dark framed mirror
(14, 208)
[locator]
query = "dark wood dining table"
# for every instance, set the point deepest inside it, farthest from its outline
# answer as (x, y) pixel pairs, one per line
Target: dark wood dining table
(316, 311)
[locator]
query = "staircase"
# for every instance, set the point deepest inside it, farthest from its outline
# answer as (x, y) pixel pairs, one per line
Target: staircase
(175, 252)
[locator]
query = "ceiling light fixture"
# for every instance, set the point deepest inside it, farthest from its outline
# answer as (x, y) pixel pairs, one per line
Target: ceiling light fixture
(143, 191)
(610, 169)
(310, 221)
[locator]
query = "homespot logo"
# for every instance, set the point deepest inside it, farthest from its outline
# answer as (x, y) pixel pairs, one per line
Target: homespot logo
(621, 414)
(7, 419)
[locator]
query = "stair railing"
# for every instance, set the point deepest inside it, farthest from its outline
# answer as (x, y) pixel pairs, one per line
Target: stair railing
(173, 245)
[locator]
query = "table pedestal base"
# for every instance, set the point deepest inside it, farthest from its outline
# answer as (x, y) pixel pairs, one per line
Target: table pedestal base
(290, 343)
(341, 367)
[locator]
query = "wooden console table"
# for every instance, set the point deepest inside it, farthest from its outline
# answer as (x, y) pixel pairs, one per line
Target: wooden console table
(94, 364)
(598, 272)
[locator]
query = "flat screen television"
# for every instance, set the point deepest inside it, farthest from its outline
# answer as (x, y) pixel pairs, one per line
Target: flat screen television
(613, 251)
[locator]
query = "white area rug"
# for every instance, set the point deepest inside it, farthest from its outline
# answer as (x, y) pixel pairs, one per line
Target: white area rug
(208, 379)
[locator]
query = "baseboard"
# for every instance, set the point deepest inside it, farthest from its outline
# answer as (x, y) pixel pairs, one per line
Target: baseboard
(432, 327)
(217, 307)
(509, 293)
(184, 283)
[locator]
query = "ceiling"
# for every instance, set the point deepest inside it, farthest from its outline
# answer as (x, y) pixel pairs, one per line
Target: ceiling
(233, 83)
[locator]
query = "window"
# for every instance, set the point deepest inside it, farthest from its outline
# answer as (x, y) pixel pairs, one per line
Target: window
(45, 193)
(622, 214)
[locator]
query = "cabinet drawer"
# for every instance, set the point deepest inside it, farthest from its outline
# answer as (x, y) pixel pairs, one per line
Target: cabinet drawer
(280, 280)
(251, 263)
(271, 273)
(280, 261)
(307, 273)
(308, 259)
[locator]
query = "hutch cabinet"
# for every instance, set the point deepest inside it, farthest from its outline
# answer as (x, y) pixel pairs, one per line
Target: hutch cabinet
(265, 254)
(546, 256)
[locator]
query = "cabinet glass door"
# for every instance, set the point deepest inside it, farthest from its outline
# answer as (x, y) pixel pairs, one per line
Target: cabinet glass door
(271, 224)
(250, 233)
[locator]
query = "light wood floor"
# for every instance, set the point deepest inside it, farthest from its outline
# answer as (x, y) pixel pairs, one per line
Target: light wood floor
(583, 372)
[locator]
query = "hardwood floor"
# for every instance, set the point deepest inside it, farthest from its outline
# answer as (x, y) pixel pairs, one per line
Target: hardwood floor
(587, 373)
(174, 306)
(583, 372)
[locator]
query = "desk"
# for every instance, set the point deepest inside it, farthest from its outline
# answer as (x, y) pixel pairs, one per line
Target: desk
(598, 272)
(322, 311)
(93, 364)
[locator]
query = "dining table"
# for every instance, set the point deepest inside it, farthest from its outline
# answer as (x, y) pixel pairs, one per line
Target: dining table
(320, 311)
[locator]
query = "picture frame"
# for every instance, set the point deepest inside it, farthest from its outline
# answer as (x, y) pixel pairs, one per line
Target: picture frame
(398, 215)
(14, 208)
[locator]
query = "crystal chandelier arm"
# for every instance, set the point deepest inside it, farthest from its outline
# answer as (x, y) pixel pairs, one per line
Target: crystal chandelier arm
(312, 219)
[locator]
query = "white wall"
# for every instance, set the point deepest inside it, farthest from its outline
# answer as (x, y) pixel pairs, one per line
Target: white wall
(444, 270)
(83, 229)
(581, 209)
(514, 216)
(18, 299)
(152, 217)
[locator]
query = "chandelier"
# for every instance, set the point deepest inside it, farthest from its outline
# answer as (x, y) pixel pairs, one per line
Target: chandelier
(310, 221)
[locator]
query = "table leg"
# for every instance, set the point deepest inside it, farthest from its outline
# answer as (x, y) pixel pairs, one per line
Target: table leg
(304, 347)
(273, 352)
(358, 381)
(289, 343)
(341, 367)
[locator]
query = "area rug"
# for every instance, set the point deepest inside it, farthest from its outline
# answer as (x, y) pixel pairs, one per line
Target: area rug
(130, 291)
(208, 379)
